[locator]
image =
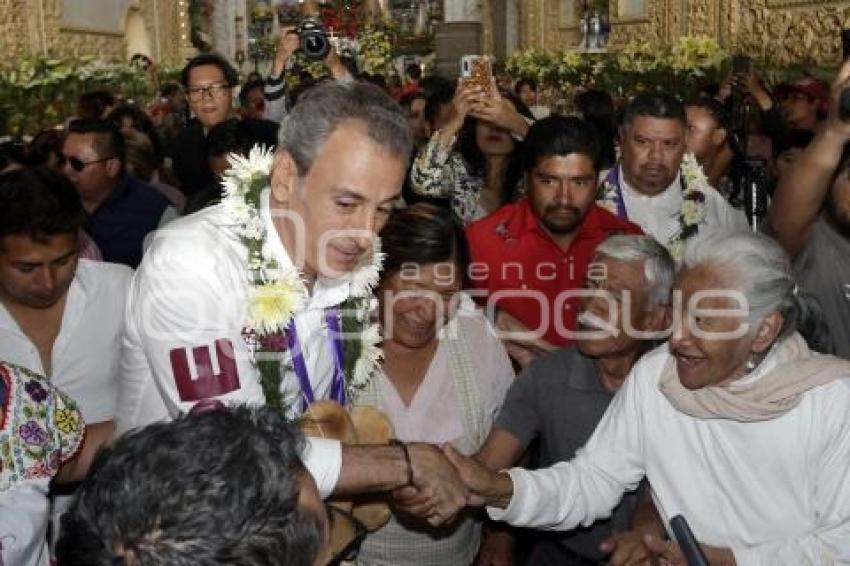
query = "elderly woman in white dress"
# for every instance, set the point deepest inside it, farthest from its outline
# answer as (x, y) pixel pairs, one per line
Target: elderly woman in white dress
(445, 373)
(737, 424)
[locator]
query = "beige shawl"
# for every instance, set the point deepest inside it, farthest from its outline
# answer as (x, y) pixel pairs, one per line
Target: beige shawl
(796, 370)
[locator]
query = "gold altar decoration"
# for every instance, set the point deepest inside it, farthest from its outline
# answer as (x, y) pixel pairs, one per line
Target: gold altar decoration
(785, 32)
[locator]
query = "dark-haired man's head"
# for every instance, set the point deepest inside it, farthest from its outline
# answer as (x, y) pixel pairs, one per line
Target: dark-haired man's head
(40, 219)
(219, 487)
(526, 90)
(94, 154)
(209, 79)
(707, 129)
(252, 101)
(561, 161)
(95, 104)
(231, 136)
(653, 138)
(438, 106)
(413, 72)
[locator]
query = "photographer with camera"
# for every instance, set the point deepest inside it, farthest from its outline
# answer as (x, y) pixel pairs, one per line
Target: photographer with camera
(810, 217)
(310, 38)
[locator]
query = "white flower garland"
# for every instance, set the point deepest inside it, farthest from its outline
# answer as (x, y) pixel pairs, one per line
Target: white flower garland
(276, 294)
(694, 199)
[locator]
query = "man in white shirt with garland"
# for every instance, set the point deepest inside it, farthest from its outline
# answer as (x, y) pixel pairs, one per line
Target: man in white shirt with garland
(263, 298)
(656, 184)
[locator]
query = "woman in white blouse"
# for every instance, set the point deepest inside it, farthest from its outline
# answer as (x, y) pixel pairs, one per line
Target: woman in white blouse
(445, 373)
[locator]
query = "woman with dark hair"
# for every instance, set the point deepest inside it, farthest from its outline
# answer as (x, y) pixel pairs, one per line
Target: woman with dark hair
(474, 158)
(445, 374)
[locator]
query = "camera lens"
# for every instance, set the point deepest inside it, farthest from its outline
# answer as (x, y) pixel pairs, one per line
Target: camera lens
(314, 44)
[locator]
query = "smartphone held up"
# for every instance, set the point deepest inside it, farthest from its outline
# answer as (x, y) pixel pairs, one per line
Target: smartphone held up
(477, 71)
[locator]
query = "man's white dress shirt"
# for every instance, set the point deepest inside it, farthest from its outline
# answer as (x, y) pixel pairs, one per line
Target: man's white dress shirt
(86, 353)
(185, 319)
(658, 215)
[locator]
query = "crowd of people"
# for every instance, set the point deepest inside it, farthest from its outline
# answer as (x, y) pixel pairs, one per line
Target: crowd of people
(588, 324)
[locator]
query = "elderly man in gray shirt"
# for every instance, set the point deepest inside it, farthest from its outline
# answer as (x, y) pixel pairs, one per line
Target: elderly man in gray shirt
(559, 399)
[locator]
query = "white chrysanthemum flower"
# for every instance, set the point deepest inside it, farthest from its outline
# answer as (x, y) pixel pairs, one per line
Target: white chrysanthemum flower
(363, 279)
(271, 305)
(692, 171)
(370, 356)
(691, 212)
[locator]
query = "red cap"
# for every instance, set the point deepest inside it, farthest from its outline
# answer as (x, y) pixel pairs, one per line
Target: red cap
(809, 86)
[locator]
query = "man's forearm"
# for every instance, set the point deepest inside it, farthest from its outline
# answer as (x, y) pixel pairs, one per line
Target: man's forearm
(372, 469)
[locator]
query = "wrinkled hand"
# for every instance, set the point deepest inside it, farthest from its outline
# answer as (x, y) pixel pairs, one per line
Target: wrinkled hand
(519, 341)
(486, 487)
(523, 354)
(668, 553)
(628, 549)
(497, 549)
(438, 492)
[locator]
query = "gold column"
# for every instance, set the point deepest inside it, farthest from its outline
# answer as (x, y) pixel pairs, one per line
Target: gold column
(184, 30)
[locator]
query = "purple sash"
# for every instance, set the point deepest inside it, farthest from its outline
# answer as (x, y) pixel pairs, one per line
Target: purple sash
(613, 178)
(308, 396)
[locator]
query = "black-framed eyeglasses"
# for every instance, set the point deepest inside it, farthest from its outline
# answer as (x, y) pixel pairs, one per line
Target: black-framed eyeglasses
(198, 93)
(78, 164)
(347, 535)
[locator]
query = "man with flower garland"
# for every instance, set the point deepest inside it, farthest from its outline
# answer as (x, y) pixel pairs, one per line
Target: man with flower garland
(656, 185)
(263, 299)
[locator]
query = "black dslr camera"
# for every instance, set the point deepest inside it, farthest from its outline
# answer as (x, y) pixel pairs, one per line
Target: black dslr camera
(314, 40)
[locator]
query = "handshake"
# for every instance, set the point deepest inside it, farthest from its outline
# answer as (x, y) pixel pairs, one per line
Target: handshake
(444, 482)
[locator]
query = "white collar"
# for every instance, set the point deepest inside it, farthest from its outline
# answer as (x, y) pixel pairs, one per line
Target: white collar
(672, 193)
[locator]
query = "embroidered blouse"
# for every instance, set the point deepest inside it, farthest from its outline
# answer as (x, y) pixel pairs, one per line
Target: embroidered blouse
(441, 172)
(40, 429)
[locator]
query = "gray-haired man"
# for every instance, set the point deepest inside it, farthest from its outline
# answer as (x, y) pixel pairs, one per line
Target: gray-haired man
(559, 399)
(196, 307)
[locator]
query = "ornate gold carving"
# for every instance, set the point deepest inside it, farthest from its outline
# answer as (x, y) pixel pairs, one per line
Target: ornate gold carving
(783, 32)
(26, 29)
(789, 35)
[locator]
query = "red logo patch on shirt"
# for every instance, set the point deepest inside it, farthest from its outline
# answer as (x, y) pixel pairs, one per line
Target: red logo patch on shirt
(204, 382)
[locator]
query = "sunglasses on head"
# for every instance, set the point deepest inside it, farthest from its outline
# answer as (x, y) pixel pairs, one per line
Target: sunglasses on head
(78, 164)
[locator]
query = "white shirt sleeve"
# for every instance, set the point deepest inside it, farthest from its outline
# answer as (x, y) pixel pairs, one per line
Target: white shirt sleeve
(323, 459)
(589, 486)
(829, 541)
(183, 334)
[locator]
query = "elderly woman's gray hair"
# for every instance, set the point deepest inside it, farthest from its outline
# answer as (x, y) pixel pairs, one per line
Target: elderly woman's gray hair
(758, 267)
(658, 268)
(327, 105)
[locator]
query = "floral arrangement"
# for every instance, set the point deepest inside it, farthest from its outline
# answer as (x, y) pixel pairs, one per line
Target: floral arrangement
(625, 70)
(276, 293)
(693, 211)
(39, 92)
(375, 52)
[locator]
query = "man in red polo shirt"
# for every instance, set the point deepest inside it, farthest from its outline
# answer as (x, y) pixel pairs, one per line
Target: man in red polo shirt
(531, 258)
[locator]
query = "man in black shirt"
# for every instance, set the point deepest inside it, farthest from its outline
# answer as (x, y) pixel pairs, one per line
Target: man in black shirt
(209, 80)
